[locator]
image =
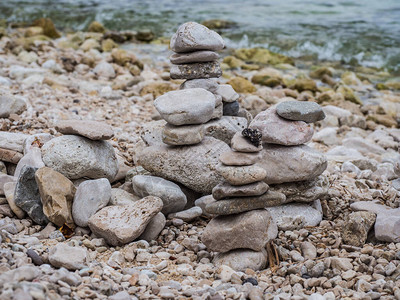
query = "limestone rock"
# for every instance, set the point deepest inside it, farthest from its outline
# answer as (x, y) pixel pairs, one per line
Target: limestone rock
(237, 175)
(12, 141)
(276, 130)
(208, 84)
(153, 228)
(193, 166)
(241, 144)
(122, 224)
(183, 135)
(57, 193)
(196, 71)
(309, 112)
(225, 190)
(9, 190)
(241, 259)
(356, 228)
(76, 157)
(71, 258)
(90, 197)
(250, 230)
(170, 193)
(11, 105)
(122, 197)
(33, 158)
(91, 129)
(193, 57)
(225, 128)
(227, 93)
(235, 158)
(188, 214)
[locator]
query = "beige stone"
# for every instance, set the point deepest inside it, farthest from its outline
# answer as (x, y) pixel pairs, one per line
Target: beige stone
(91, 129)
(182, 135)
(225, 190)
(241, 175)
(235, 158)
(241, 144)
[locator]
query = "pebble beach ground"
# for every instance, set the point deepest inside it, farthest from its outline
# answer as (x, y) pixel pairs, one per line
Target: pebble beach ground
(87, 76)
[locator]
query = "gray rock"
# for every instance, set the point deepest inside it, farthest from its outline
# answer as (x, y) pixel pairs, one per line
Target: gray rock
(170, 193)
(227, 93)
(196, 71)
(250, 230)
(241, 144)
(76, 157)
(237, 175)
(308, 250)
(309, 112)
(242, 204)
(4, 178)
(11, 105)
(363, 146)
(187, 215)
(183, 135)
(288, 164)
(104, 69)
(225, 190)
(225, 128)
(33, 159)
(276, 130)
(295, 216)
(203, 202)
(27, 195)
(231, 108)
(23, 273)
(122, 224)
(153, 228)
(36, 141)
(235, 158)
(151, 132)
(193, 166)
(192, 36)
(241, 259)
(71, 258)
(9, 191)
(208, 84)
(91, 129)
(12, 141)
(90, 197)
(356, 228)
(218, 112)
(122, 197)
(193, 57)
(184, 107)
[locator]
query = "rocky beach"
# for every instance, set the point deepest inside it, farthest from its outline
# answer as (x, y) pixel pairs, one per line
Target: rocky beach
(198, 171)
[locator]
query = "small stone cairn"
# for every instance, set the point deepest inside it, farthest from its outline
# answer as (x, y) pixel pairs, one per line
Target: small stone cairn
(200, 98)
(242, 226)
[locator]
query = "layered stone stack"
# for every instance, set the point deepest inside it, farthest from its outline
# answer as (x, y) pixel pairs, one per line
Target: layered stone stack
(268, 175)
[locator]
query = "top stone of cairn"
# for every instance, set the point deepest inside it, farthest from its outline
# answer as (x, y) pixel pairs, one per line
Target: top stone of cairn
(192, 36)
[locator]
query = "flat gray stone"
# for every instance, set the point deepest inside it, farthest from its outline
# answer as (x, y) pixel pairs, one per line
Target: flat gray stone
(11, 105)
(193, 166)
(242, 204)
(182, 135)
(93, 130)
(196, 71)
(289, 164)
(153, 228)
(184, 107)
(235, 158)
(90, 197)
(187, 215)
(193, 57)
(120, 225)
(76, 157)
(241, 144)
(208, 84)
(170, 193)
(276, 130)
(192, 36)
(250, 230)
(64, 256)
(237, 175)
(309, 112)
(225, 190)
(27, 196)
(242, 259)
(294, 216)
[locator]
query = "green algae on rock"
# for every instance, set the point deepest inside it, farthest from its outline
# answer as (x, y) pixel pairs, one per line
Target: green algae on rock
(262, 56)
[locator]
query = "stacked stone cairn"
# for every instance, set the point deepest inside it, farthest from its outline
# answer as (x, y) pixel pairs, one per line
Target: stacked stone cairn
(200, 99)
(253, 199)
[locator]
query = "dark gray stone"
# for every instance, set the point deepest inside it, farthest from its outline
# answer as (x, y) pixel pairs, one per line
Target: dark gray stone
(309, 112)
(231, 108)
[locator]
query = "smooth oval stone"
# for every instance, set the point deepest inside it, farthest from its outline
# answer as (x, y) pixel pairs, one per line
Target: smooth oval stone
(193, 57)
(241, 175)
(196, 71)
(250, 230)
(277, 130)
(241, 259)
(170, 193)
(238, 205)
(241, 144)
(208, 84)
(76, 157)
(182, 135)
(225, 190)
(192, 36)
(91, 129)
(231, 108)
(309, 112)
(120, 225)
(227, 93)
(184, 107)
(235, 158)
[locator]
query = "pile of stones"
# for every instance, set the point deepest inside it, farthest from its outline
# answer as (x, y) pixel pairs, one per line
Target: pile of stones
(242, 226)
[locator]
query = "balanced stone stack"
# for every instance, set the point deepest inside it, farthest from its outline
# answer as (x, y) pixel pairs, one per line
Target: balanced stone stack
(268, 175)
(200, 98)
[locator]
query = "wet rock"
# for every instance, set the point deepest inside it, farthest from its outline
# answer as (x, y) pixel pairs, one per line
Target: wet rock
(196, 71)
(193, 57)
(91, 129)
(57, 193)
(225, 190)
(309, 112)
(71, 258)
(153, 228)
(276, 130)
(241, 259)
(356, 228)
(11, 105)
(90, 197)
(123, 224)
(251, 230)
(27, 195)
(170, 193)
(295, 216)
(199, 161)
(184, 107)
(76, 157)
